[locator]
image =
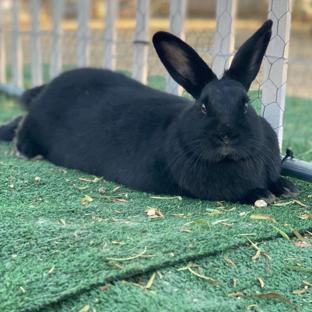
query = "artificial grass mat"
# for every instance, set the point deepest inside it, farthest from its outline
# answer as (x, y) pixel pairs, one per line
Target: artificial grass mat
(64, 233)
(233, 280)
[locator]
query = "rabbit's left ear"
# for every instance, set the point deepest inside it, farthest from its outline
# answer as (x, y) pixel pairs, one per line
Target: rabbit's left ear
(247, 60)
(182, 62)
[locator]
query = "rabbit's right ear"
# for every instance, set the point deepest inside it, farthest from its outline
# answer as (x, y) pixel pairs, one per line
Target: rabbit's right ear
(184, 65)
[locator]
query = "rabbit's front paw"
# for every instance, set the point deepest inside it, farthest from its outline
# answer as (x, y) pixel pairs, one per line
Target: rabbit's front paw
(258, 194)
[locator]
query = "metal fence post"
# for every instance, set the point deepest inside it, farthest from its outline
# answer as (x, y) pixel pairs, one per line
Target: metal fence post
(56, 38)
(16, 52)
(140, 42)
(177, 13)
(275, 66)
(110, 34)
(36, 55)
(224, 36)
(2, 49)
(83, 33)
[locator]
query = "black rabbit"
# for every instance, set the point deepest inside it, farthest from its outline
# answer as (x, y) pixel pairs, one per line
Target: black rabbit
(214, 148)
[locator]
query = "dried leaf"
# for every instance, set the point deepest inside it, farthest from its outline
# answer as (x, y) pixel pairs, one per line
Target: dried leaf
(116, 242)
(213, 212)
(86, 308)
(282, 204)
(129, 258)
(185, 230)
(306, 216)
(300, 291)
(115, 264)
(298, 202)
(167, 197)
(236, 294)
(22, 289)
(253, 244)
(121, 220)
(102, 190)
(220, 203)
(297, 234)
(51, 270)
(229, 261)
(86, 200)
(179, 215)
(105, 287)
(256, 256)
(235, 282)
(261, 216)
(247, 234)
(299, 268)
(222, 222)
(259, 251)
(62, 221)
(273, 295)
(200, 222)
(82, 188)
(302, 244)
(252, 307)
(261, 282)
(119, 200)
(154, 213)
(228, 210)
(211, 281)
(94, 180)
(150, 281)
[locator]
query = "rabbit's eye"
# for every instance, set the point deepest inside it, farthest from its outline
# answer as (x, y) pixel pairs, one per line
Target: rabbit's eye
(203, 109)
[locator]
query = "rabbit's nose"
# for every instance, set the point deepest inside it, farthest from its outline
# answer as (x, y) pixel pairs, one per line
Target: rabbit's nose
(226, 140)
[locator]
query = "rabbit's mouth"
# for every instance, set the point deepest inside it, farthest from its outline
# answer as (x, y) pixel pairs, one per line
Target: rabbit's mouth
(227, 153)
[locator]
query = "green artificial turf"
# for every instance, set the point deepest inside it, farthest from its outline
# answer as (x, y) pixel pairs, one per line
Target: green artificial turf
(233, 284)
(64, 234)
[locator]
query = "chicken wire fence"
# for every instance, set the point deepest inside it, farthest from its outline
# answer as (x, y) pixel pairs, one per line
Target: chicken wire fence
(37, 42)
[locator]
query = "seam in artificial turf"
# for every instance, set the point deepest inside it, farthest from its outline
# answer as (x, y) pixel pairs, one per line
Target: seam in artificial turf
(151, 268)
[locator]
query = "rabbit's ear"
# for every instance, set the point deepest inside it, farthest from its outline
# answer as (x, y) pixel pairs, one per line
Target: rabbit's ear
(184, 65)
(247, 60)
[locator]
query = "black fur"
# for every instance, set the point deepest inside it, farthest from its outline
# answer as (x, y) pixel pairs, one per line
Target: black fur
(29, 95)
(214, 148)
(8, 131)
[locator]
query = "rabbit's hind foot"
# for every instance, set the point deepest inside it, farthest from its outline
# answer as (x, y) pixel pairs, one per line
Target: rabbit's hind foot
(8, 130)
(26, 147)
(283, 187)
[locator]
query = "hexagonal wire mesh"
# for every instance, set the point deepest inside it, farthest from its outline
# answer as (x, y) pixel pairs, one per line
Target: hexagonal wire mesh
(74, 31)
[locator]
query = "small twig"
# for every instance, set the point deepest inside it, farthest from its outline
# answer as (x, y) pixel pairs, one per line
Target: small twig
(253, 244)
(279, 231)
(150, 281)
(209, 279)
(129, 258)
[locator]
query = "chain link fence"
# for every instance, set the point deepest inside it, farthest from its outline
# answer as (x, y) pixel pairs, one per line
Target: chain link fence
(39, 39)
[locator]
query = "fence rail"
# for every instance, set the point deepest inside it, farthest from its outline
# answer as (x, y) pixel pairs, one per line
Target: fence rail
(275, 68)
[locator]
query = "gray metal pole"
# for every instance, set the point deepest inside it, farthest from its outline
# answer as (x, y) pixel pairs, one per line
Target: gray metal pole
(298, 169)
